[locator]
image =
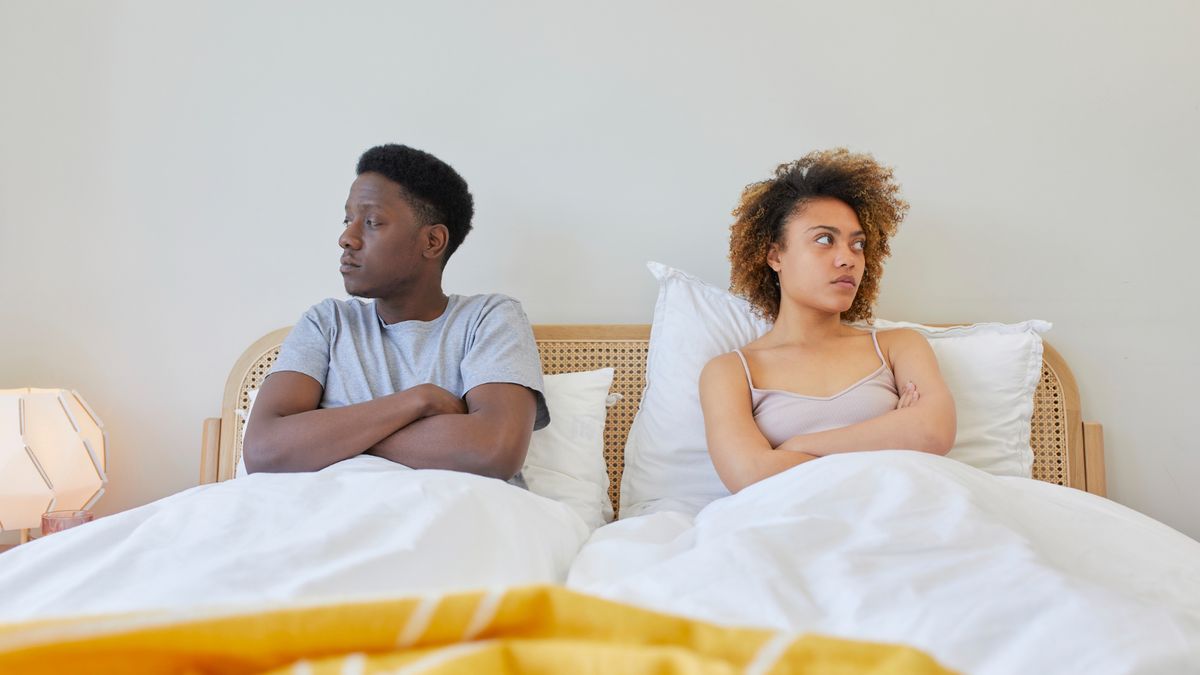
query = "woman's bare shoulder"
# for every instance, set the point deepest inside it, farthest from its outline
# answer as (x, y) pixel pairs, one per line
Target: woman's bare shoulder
(722, 372)
(902, 343)
(898, 335)
(723, 362)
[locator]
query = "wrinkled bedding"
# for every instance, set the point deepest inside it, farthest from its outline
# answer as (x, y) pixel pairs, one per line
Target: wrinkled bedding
(988, 574)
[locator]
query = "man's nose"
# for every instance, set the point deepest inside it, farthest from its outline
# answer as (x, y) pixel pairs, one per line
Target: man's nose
(351, 236)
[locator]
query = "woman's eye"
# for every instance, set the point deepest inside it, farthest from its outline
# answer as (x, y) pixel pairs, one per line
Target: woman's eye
(860, 245)
(824, 239)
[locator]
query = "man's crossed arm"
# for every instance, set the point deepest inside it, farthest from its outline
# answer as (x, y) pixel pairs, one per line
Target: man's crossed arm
(425, 427)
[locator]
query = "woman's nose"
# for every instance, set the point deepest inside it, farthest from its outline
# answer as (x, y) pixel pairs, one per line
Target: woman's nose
(846, 257)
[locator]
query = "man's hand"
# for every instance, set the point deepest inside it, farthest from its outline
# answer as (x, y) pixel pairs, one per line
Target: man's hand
(438, 401)
(491, 439)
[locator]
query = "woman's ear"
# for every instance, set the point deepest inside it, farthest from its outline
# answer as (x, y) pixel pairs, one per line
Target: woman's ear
(437, 237)
(773, 257)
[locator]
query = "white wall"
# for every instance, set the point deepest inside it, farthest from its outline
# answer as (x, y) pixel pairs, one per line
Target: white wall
(172, 177)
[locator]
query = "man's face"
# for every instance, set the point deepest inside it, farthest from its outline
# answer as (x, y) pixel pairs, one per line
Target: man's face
(383, 241)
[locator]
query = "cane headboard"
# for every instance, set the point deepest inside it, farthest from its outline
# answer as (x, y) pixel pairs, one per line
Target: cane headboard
(1067, 451)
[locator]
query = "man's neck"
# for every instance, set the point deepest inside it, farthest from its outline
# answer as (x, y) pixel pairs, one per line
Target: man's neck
(418, 304)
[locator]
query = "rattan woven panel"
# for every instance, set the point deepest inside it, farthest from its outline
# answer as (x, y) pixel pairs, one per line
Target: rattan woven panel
(1048, 430)
(252, 380)
(628, 360)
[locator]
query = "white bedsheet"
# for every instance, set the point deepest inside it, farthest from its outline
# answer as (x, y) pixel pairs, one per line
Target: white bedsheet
(987, 574)
(362, 527)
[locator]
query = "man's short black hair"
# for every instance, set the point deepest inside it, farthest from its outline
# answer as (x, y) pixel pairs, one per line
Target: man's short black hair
(432, 187)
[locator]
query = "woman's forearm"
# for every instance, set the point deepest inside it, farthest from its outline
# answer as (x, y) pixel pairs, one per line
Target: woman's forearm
(926, 430)
(756, 465)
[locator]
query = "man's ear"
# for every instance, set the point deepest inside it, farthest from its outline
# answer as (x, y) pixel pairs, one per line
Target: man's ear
(436, 239)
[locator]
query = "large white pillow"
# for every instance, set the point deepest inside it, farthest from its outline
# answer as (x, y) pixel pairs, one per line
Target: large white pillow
(992, 370)
(667, 467)
(566, 457)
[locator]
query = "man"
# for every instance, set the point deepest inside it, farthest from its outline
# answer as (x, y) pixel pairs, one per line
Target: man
(421, 378)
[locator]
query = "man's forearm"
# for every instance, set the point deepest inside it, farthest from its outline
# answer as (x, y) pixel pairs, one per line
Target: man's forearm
(314, 439)
(465, 442)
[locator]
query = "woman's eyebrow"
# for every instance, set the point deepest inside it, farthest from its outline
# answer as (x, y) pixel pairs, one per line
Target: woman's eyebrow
(830, 228)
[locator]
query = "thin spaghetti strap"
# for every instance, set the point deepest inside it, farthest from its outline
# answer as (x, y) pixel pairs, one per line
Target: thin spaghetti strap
(746, 366)
(875, 339)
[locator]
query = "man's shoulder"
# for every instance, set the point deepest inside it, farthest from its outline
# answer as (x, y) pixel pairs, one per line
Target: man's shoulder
(334, 315)
(337, 309)
(488, 301)
(487, 308)
(491, 313)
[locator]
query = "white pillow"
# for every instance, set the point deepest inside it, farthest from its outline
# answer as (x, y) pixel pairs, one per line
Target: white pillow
(667, 467)
(566, 457)
(992, 370)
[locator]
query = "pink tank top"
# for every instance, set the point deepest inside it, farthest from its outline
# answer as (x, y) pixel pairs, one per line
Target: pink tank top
(781, 414)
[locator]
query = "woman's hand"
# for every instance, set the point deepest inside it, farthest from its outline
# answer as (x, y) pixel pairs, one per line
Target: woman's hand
(908, 396)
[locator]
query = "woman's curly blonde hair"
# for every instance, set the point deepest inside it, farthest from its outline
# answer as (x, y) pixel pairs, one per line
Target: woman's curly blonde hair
(856, 179)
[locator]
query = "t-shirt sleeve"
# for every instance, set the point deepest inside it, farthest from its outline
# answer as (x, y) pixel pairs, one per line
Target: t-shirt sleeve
(306, 348)
(502, 349)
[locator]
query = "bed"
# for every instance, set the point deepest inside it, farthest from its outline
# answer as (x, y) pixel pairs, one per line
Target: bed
(1001, 575)
(1021, 576)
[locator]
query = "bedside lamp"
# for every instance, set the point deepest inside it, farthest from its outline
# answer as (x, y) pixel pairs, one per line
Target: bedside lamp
(52, 456)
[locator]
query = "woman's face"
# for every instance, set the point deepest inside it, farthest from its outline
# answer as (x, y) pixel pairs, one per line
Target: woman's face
(821, 261)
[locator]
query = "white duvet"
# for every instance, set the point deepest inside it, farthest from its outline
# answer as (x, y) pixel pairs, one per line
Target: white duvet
(365, 527)
(987, 574)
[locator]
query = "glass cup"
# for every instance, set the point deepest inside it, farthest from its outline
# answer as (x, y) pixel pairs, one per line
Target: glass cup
(56, 521)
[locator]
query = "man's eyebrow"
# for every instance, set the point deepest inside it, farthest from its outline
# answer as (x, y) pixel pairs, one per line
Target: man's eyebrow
(369, 205)
(830, 228)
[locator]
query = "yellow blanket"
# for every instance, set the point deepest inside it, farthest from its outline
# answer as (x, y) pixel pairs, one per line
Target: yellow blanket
(527, 629)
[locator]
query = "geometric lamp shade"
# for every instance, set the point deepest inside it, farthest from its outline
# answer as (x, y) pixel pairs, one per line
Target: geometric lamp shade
(52, 455)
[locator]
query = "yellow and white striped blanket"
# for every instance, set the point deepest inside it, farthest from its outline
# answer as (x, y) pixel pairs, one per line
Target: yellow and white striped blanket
(524, 629)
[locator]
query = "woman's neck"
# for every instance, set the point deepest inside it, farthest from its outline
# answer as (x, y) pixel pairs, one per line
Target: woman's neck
(805, 326)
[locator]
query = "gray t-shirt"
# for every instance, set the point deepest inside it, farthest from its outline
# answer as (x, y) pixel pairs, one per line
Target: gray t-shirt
(479, 339)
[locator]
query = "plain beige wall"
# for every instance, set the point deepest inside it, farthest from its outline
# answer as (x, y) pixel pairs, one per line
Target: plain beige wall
(172, 177)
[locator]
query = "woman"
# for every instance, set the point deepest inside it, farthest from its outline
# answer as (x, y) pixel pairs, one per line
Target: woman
(807, 250)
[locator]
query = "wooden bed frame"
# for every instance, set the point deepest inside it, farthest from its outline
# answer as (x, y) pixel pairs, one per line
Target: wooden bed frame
(1067, 450)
